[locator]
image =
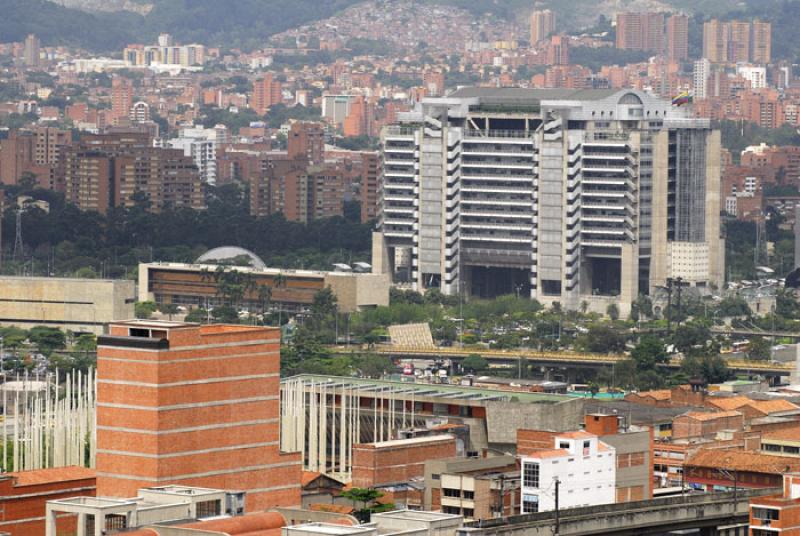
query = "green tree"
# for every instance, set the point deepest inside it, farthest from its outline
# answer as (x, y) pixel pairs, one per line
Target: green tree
(760, 349)
(691, 338)
(649, 353)
(613, 311)
(372, 365)
(602, 339)
(710, 369)
(474, 363)
(168, 309)
(86, 342)
(365, 497)
(198, 315)
(145, 309)
(47, 339)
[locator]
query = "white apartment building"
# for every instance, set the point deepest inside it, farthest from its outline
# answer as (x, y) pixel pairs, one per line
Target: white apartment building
(201, 144)
(755, 74)
(563, 195)
(584, 467)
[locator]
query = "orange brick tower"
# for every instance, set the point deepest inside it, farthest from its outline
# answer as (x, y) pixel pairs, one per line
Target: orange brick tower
(194, 405)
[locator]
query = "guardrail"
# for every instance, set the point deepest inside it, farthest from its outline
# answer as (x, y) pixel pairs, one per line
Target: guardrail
(577, 357)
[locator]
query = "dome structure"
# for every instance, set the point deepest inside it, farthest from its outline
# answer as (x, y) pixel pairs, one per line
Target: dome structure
(228, 253)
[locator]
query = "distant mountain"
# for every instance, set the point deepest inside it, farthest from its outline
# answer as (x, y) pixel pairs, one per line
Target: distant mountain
(107, 25)
(57, 25)
(133, 6)
(575, 14)
(218, 22)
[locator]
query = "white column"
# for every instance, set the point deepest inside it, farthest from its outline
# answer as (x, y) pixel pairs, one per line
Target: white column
(82, 524)
(99, 524)
(50, 522)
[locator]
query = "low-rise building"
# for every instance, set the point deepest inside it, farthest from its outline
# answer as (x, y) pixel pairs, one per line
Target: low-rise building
(100, 515)
(435, 471)
(777, 514)
(78, 305)
(705, 423)
(397, 461)
(580, 469)
(24, 495)
(714, 469)
(292, 290)
(481, 495)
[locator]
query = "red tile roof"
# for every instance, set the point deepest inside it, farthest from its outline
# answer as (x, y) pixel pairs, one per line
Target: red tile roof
(309, 477)
(742, 460)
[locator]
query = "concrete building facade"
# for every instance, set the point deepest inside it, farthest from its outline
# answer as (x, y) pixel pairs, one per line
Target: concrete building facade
(292, 290)
(192, 405)
(79, 305)
(562, 195)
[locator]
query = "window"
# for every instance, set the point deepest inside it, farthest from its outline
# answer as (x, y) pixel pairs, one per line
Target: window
(449, 492)
(436, 476)
(209, 508)
(451, 510)
(530, 475)
(766, 514)
(469, 512)
(469, 494)
(530, 504)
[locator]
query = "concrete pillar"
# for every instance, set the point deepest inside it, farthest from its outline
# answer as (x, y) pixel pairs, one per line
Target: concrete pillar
(794, 377)
(50, 522)
(81, 525)
(99, 524)
(629, 279)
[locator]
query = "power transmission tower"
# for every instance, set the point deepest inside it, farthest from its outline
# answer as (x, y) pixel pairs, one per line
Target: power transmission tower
(18, 246)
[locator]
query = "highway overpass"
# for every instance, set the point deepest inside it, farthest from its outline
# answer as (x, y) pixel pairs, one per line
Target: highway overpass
(706, 512)
(559, 359)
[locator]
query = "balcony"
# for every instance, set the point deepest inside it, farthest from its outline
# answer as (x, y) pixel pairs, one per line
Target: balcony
(514, 136)
(490, 214)
(497, 165)
(494, 202)
(496, 190)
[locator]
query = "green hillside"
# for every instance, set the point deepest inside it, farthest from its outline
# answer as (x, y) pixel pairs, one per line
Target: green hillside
(247, 23)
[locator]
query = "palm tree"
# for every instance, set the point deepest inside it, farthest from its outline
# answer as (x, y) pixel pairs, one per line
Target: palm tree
(264, 298)
(280, 282)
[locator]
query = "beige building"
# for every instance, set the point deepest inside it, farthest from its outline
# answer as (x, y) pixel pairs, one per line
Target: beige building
(79, 305)
(291, 290)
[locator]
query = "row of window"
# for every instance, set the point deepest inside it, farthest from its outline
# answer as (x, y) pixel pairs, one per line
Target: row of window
(458, 494)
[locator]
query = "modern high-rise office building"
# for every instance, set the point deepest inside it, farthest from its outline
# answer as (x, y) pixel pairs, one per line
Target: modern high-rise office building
(543, 23)
(562, 195)
(192, 405)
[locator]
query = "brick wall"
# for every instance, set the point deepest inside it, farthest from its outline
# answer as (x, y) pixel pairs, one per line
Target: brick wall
(377, 464)
(531, 440)
(203, 412)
